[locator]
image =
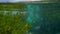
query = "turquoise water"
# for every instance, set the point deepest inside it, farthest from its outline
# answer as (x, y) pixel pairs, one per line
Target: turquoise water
(32, 12)
(46, 17)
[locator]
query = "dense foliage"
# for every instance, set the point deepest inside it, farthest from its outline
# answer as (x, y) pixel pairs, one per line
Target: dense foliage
(12, 24)
(10, 6)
